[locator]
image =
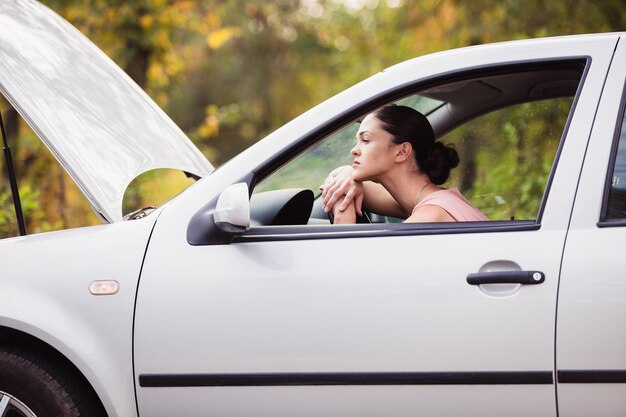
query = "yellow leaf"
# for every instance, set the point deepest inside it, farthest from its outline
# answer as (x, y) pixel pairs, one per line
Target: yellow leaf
(219, 37)
(213, 20)
(146, 21)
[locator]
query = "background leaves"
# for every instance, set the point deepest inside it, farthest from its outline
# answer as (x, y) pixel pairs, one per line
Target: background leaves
(230, 71)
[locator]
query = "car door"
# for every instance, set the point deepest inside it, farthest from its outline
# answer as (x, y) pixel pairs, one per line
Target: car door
(591, 343)
(369, 321)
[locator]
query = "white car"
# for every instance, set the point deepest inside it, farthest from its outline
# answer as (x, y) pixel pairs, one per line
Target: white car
(239, 298)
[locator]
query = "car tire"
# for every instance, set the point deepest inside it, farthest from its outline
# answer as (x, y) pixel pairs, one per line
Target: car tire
(31, 385)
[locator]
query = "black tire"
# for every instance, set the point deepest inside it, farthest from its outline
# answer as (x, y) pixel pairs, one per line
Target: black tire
(43, 386)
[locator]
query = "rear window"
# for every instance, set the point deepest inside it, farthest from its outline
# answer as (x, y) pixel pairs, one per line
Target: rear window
(616, 207)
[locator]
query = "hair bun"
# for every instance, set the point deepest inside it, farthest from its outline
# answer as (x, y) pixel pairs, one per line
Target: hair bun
(440, 160)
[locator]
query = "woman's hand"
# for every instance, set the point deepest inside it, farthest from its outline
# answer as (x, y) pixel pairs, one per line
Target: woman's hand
(347, 216)
(339, 184)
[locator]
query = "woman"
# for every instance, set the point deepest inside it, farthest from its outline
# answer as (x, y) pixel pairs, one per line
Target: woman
(397, 171)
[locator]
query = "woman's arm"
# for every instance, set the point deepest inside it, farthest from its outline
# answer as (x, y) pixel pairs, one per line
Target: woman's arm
(347, 216)
(374, 197)
(378, 200)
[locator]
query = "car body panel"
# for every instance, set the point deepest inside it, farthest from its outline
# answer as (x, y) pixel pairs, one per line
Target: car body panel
(95, 120)
(305, 306)
(45, 293)
(592, 295)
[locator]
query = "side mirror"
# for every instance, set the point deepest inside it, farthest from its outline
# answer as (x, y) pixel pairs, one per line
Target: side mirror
(223, 218)
(232, 211)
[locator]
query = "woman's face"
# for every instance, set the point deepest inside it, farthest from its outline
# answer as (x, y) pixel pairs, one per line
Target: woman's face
(374, 152)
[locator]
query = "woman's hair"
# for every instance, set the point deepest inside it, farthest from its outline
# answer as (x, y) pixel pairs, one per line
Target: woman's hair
(408, 125)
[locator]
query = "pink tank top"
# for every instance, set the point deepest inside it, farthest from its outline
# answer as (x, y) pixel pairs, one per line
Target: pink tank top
(454, 203)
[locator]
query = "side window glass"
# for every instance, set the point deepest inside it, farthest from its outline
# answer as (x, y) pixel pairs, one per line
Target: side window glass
(506, 127)
(309, 169)
(507, 155)
(616, 208)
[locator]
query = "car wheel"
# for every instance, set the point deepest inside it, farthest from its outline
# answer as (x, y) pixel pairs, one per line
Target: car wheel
(32, 386)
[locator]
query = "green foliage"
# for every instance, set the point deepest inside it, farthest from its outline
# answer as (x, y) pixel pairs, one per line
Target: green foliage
(50, 200)
(516, 147)
(30, 208)
(154, 188)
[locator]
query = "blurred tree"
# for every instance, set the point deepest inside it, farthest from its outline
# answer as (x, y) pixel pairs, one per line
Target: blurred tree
(230, 71)
(146, 38)
(237, 69)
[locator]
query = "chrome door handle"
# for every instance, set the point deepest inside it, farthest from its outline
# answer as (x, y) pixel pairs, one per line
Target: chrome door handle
(506, 277)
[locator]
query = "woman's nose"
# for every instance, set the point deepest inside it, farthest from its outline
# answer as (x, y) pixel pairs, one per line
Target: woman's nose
(354, 151)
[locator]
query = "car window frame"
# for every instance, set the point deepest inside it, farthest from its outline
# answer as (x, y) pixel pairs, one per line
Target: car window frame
(621, 115)
(330, 231)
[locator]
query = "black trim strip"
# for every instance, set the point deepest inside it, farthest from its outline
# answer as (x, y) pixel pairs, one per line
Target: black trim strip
(614, 376)
(604, 221)
(612, 223)
(312, 232)
(564, 134)
(347, 378)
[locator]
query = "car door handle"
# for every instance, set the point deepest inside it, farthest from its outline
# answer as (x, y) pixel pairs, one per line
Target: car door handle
(506, 277)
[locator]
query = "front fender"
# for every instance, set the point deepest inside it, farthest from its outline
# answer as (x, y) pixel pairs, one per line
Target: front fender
(44, 292)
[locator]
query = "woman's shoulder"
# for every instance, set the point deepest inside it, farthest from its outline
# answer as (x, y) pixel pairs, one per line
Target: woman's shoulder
(453, 202)
(445, 193)
(429, 213)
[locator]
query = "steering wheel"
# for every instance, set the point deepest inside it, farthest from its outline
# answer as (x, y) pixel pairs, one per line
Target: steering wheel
(365, 218)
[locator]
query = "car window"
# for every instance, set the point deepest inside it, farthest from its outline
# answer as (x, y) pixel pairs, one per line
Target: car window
(507, 147)
(507, 155)
(311, 168)
(506, 158)
(616, 207)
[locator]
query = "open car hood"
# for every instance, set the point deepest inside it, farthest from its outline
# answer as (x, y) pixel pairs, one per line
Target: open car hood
(101, 127)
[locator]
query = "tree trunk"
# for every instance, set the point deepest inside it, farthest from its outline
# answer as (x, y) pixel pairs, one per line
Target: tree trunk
(138, 52)
(138, 62)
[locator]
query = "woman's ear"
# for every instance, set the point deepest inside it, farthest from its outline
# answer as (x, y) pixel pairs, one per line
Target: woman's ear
(404, 152)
